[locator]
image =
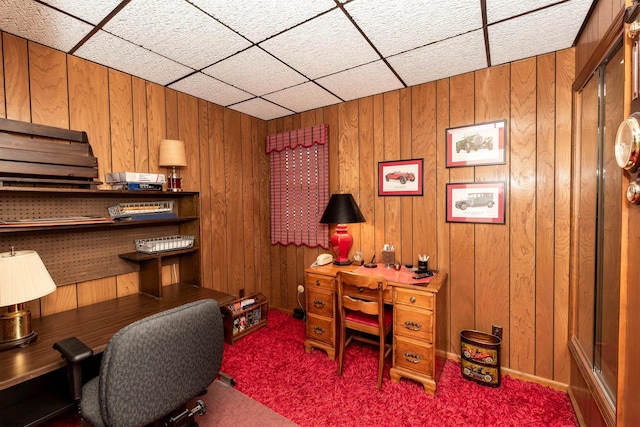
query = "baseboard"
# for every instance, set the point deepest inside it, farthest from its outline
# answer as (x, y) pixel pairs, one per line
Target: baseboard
(523, 376)
(511, 372)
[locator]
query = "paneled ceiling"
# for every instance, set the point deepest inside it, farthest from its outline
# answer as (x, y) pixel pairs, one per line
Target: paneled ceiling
(273, 58)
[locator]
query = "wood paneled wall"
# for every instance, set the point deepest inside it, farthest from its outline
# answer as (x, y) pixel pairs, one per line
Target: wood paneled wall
(125, 118)
(602, 15)
(514, 275)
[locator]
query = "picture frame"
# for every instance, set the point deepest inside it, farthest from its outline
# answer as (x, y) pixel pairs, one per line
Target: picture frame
(400, 177)
(476, 202)
(476, 145)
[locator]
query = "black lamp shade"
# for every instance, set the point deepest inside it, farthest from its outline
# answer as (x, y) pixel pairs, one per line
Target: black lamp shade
(342, 209)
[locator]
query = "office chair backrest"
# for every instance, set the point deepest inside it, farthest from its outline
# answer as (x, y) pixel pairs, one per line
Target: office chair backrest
(156, 364)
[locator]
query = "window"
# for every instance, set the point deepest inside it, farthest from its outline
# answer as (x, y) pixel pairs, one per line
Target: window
(299, 186)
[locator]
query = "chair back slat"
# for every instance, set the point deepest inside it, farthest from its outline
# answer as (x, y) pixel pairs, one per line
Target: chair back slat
(368, 307)
(361, 308)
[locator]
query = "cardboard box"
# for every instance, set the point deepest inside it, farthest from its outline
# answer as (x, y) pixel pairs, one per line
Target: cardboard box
(122, 177)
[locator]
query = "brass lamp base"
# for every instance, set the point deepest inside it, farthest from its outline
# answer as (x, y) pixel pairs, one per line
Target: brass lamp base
(15, 328)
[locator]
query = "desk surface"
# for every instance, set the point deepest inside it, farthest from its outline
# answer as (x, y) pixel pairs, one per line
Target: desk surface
(399, 278)
(94, 325)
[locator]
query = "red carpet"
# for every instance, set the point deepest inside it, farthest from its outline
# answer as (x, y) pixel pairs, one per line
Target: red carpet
(271, 366)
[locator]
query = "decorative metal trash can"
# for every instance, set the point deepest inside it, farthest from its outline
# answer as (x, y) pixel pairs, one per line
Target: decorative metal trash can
(480, 359)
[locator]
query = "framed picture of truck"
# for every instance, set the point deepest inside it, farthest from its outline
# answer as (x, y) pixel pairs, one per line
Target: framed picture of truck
(476, 145)
(476, 202)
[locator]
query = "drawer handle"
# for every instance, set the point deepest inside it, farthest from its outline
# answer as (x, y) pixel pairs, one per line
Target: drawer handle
(319, 330)
(412, 299)
(318, 282)
(412, 326)
(412, 357)
(318, 303)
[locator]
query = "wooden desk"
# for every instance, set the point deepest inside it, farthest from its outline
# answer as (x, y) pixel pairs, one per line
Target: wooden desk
(419, 324)
(94, 325)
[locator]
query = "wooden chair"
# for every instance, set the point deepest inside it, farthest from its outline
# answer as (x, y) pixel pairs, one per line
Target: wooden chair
(363, 315)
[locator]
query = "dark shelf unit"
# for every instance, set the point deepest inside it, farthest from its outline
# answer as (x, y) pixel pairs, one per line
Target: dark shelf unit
(80, 252)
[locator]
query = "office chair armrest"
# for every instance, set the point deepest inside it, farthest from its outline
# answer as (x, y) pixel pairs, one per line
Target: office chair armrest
(74, 352)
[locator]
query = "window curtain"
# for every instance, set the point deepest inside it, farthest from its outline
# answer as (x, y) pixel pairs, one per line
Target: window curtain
(299, 186)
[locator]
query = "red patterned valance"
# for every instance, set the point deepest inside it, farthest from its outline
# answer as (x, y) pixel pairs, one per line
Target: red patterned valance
(306, 137)
(299, 186)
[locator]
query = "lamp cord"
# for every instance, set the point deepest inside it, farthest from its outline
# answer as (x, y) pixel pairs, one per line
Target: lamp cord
(304, 313)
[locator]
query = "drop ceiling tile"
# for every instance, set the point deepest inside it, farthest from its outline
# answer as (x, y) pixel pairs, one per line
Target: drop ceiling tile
(394, 29)
(358, 82)
(177, 30)
(121, 55)
(322, 46)
(210, 89)
(261, 109)
(42, 24)
(255, 71)
(260, 19)
(92, 11)
(450, 57)
(498, 10)
(304, 97)
(516, 38)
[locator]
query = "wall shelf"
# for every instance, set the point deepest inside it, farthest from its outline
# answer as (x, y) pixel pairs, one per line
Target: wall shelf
(80, 252)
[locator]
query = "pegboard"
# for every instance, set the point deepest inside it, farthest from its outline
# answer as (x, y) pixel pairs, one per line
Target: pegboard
(79, 253)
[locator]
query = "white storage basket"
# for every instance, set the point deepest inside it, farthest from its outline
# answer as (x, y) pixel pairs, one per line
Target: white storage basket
(162, 244)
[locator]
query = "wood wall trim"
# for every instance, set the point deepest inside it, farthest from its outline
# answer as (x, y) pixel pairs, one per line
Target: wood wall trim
(614, 32)
(606, 407)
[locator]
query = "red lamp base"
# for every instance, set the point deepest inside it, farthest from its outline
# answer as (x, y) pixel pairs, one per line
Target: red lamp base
(341, 242)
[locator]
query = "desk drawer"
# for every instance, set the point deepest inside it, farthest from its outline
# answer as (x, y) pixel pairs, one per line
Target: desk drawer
(320, 301)
(318, 281)
(372, 294)
(413, 323)
(414, 298)
(413, 355)
(320, 329)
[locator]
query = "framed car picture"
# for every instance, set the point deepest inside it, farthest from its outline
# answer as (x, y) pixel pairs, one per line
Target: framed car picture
(400, 178)
(481, 144)
(476, 202)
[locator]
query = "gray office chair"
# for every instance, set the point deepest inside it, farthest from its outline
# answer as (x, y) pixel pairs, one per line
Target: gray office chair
(151, 367)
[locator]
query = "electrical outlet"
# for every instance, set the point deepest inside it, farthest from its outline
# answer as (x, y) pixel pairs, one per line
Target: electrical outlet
(241, 293)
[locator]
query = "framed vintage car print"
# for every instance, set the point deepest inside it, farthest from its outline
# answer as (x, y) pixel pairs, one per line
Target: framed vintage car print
(400, 178)
(476, 202)
(480, 144)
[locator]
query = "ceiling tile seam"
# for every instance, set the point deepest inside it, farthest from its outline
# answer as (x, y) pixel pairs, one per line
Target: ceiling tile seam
(223, 24)
(265, 100)
(295, 26)
(529, 12)
(434, 42)
(98, 27)
(150, 50)
(362, 33)
(201, 70)
(485, 31)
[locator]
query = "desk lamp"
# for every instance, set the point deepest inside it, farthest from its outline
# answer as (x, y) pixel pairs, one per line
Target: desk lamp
(23, 277)
(341, 210)
(172, 156)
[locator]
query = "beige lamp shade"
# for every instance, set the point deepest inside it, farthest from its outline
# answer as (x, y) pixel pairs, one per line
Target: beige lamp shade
(172, 153)
(23, 277)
